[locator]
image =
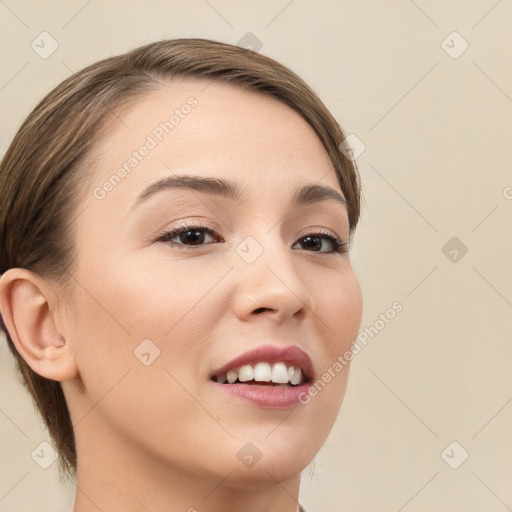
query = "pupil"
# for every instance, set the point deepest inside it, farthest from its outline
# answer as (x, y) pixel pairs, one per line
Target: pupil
(197, 238)
(315, 241)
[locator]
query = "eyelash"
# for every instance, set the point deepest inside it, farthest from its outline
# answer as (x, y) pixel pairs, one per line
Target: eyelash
(339, 246)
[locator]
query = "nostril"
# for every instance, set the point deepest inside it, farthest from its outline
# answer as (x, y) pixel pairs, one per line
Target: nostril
(261, 310)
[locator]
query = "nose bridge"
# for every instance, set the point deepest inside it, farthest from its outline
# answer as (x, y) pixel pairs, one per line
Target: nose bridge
(268, 276)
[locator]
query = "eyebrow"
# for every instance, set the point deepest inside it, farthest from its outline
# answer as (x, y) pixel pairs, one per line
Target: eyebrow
(305, 195)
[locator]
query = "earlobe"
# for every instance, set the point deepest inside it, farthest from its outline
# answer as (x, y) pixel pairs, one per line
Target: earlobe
(26, 311)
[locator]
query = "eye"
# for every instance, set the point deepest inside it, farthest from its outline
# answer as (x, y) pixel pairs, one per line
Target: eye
(192, 237)
(314, 240)
(187, 234)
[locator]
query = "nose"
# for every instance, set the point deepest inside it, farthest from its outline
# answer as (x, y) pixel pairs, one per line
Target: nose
(272, 285)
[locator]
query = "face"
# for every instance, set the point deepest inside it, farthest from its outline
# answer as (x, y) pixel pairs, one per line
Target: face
(153, 315)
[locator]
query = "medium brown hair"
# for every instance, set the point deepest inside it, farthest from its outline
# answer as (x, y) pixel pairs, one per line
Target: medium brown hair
(43, 175)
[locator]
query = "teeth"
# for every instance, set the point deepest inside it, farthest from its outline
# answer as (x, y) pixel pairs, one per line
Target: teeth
(296, 377)
(245, 373)
(222, 378)
(232, 375)
(262, 372)
(278, 373)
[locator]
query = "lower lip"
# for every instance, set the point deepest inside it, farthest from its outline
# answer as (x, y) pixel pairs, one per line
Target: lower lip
(269, 397)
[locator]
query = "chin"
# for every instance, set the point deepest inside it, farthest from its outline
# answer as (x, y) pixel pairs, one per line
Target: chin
(253, 469)
(264, 474)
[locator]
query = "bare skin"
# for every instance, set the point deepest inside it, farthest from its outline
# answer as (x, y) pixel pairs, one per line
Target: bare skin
(162, 437)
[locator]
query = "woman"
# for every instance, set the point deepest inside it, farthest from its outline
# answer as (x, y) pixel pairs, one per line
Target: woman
(176, 276)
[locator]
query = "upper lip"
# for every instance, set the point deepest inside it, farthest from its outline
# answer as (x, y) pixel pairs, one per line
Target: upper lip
(291, 354)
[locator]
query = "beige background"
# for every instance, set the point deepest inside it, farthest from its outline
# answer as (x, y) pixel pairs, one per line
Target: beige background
(436, 165)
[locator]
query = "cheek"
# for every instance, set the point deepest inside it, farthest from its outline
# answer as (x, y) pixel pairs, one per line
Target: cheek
(339, 308)
(138, 312)
(135, 299)
(338, 319)
(138, 342)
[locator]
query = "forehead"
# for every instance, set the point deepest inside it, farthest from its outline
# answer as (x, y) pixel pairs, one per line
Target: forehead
(207, 129)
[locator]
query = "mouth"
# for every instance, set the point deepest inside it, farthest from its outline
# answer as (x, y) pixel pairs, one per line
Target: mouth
(278, 386)
(267, 365)
(278, 374)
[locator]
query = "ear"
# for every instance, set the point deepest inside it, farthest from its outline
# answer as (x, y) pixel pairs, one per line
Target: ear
(26, 307)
